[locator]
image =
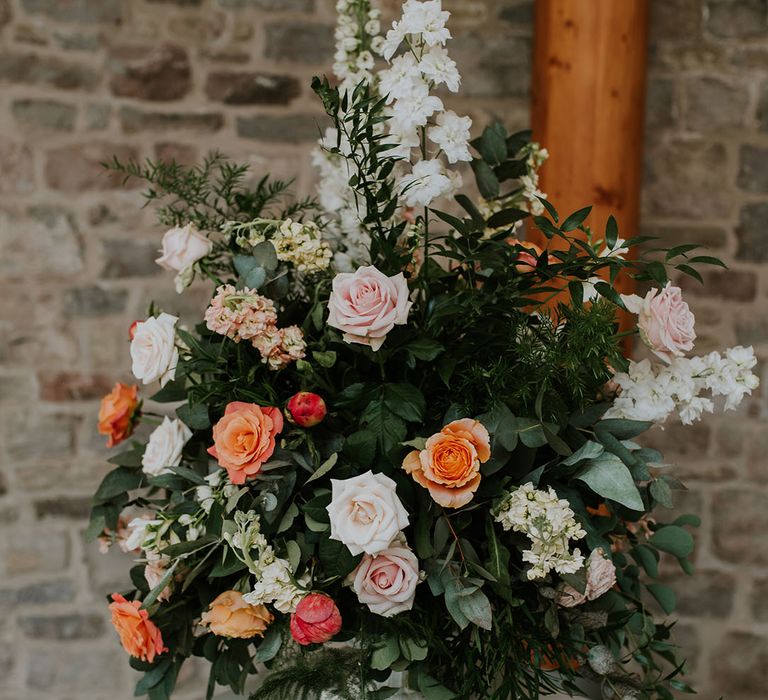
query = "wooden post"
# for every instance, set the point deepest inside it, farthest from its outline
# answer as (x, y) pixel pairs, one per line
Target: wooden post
(588, 107)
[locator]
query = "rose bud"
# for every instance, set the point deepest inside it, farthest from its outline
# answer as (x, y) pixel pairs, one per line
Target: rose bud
(132, 329)
(316, 620)
(307, 409)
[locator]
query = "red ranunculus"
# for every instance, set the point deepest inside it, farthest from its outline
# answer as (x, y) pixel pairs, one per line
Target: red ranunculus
(316, 620)
(307, 409)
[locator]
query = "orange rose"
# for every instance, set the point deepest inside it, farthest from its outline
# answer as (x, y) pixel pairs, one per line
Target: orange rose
(230, 616)
(139, 636)
(449, 465)
(526, 259)
(117, 413)
(245, 438)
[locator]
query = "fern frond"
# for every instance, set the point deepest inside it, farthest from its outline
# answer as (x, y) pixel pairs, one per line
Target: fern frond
(335, 671)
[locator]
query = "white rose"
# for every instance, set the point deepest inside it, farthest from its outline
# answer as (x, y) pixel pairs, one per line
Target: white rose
(366, 514)
(153, 349)
(386, 583)
(182, 247)
(165, 446)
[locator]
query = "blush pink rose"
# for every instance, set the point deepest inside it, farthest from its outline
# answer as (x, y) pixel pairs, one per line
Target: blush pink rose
(666, 323)
(244, 439)
(601, 577)
(366, 305)
(387, 582)
(183, 246)
(317, 620)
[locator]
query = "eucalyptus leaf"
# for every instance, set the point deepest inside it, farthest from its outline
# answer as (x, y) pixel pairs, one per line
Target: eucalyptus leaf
(609, 477)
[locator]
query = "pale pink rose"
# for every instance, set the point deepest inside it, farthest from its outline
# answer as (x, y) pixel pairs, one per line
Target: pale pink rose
(182, 247)
(666, 323)
(154, 571)
(366, 305)
(601, 577)
(387, 582)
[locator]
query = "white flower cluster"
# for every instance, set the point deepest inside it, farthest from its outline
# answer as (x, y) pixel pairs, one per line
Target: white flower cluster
(549, 522)
(219, 490)
(357, 37)
(536, 156)
(344, 210)
(652, 392)
(418, 118)
(274, 578)
(302, 245)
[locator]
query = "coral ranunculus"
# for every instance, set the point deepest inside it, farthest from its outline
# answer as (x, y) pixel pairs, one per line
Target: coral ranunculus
(307, 409)
(117, 413)
(449, 464)
(316, 620)
(231, 616)
(244, 439)
(139, 636)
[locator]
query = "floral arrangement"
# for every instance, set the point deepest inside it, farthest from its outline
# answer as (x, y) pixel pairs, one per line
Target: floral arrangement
(400, 438)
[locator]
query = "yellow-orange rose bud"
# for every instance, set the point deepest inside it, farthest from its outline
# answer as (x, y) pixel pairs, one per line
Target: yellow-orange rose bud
(449, 465)
(230, 616)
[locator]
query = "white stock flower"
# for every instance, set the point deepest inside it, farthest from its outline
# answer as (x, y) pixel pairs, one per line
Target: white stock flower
(417, 108)
(402, 79)
(427, 19)
(164, 447)
(440, 68)
(274, 586)
(365, 512)
(154, 353)
(428, 181)
(452, 135)
(549, 523)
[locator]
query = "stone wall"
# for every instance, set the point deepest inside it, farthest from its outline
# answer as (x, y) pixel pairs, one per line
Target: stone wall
(83, 79)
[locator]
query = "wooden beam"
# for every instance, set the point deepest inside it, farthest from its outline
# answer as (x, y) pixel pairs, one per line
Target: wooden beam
(588, 100)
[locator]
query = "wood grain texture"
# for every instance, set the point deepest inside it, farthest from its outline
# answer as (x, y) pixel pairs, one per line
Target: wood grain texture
(588, 98)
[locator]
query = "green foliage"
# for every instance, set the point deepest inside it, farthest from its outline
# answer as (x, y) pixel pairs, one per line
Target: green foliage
(312, 673)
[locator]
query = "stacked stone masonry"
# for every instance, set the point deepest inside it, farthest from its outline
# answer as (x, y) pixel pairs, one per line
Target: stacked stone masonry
(81, 80)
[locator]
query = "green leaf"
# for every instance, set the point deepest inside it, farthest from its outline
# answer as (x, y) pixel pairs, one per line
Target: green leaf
(674, 540)
(171, 393)
(270, 645)
(385, 654)
(265, 256)
(185, 548)
(690, 271)
(189, 474)
(324, 468)
(194, 416)
(611, 232)
(424, 348)
(431, 689)
(507, 217)
(336, 559)
(498, 555)
(244, 264)
(154, 594)
(708, 260)
(360, 448)
(664, 595)
(117, 482)
(388, 428)
(255, 278)
(576, 219)
(589, 450)
(487, 182)
(530, 432)
(405, 401)
(662, 493)
(129, 458)
(477, 609)
(412, 649)
(648, 559)
(608, 477)
(153, 677)
(325, 359)
(492, 144)
(624, 429)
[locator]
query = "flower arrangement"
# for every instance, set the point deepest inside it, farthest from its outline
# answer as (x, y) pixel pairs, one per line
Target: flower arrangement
(401, 438)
